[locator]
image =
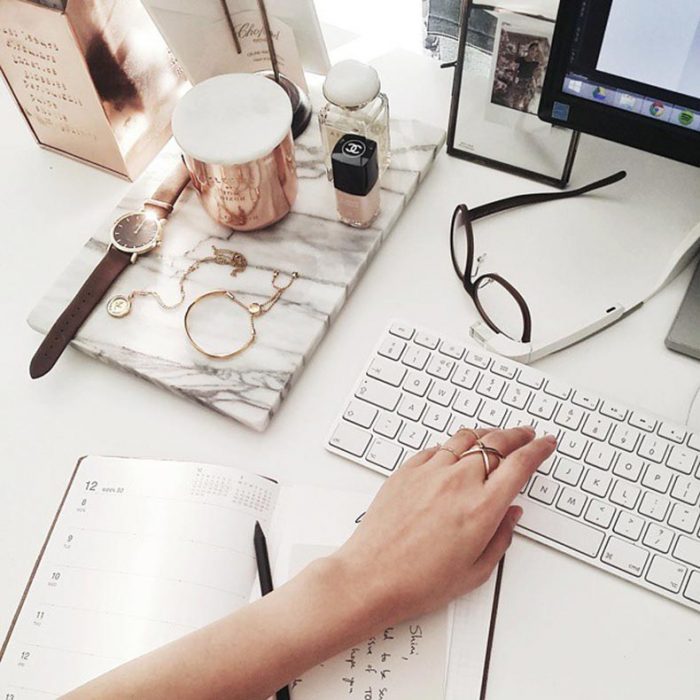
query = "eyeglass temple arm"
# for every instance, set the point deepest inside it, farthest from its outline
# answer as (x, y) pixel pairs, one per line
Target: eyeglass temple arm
(525, 199)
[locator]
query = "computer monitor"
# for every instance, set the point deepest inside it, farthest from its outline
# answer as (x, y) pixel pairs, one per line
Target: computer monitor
(628, 71)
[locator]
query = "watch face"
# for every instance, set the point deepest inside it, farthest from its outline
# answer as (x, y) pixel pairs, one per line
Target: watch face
(135, 232)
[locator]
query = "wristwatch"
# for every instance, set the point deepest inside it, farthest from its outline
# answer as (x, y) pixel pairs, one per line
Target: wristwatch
(132, 235)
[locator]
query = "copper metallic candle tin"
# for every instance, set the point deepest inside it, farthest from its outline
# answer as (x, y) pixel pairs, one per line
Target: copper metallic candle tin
(235, 133)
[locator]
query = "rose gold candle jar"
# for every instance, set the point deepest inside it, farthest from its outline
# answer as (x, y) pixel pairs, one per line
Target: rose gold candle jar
(235, 133)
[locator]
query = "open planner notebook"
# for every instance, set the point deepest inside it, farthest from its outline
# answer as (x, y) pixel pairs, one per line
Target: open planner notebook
(142, 552)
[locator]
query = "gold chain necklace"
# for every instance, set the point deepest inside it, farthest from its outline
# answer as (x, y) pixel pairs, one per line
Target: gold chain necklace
(254, 310)
(120, 305)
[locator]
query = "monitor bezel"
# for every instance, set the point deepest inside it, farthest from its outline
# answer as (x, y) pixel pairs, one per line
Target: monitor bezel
(638, 131)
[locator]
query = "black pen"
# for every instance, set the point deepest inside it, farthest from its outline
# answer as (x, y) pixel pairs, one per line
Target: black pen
(265, 575)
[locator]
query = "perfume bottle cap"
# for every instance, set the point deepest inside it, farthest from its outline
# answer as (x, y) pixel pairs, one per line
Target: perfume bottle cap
(355, 164)
(351, 84)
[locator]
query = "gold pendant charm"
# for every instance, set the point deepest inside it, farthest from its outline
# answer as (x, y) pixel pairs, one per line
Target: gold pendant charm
(119, 306)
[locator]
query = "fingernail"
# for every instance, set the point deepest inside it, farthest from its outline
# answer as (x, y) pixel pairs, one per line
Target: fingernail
(518, 515)
(551, 439)
(529, 429)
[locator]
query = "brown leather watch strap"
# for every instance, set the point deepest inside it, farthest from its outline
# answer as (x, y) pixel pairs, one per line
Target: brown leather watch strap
(167, 194)
(70, 321)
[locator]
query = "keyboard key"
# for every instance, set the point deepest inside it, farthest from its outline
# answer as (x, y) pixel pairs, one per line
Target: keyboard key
(658, 538)
(571, 501)
(596, 482)
(388, 425)
(466, 377)
(625, 556)
(518, 418)
(694, 441)
(654, 506)
(516, 396)
(600, 455)
(557, 389)
(546, 427)
(684, 518)
(478, 359)
(674, 433)
(504, 368)
(440, 367)
(688, 550)
(379, 394)
(413, 436)
(491, 386)
(467, 404)
(624, 494)
(692, 589)
(666, 574)
(350, 438)
(459, 422)
(416, 383)
(600, 513)
(411, 408)
(492, 413)
(643, 421)
(546, 466)
(384, 454)
(625, 438)
(653, 449)
(402, 331)
(560, 528)
(427, 340)
(569, 472)
(597, 427)
(657, 478)
(585, 400)
(392, 348)
(613, 410)
(442, 393)
(572, 445)
(686, 489)
(569, 416)
(360, 413)
(543, 407)
(682, 459)
(544, 490)
(453, 350)
(436, 418)
(629, 467)
(416, 357)
(531, 378)
(387, 371)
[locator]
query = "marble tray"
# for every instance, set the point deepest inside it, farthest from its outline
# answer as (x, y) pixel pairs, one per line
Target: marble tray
(329, 257)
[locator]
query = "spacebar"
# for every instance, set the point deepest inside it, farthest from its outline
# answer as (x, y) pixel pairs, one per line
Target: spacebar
(560, 529)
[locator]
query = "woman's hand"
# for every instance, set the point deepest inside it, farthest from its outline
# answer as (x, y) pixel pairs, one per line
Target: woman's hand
(438, 527)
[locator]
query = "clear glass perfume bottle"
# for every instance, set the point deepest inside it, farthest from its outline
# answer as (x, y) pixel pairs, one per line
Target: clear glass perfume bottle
(355, 105)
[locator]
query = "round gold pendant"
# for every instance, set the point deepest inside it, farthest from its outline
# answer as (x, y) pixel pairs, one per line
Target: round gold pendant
(118, 306)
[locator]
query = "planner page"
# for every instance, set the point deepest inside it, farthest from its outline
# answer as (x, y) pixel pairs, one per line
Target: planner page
(404, 662)
(141, 553)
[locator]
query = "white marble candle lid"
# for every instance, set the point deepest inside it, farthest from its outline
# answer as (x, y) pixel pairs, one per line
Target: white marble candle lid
(351, 84)
(232, 119)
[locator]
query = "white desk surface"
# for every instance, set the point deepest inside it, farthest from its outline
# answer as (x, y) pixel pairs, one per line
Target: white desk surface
(565, 630)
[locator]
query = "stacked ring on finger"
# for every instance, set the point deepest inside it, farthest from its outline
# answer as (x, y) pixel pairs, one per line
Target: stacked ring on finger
(464, 439)
(485, 451)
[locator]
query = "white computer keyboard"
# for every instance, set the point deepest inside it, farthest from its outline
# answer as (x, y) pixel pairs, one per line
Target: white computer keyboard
(621, 492)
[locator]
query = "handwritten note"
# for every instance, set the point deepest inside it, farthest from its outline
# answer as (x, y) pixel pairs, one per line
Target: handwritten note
(406, 662)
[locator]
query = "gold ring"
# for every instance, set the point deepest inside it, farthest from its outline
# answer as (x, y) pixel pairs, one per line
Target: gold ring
(442, 448)
(470, 430)
(484, 451)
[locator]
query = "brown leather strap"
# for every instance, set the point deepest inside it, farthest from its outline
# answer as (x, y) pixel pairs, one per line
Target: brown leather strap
(167, 194)
(70, 321)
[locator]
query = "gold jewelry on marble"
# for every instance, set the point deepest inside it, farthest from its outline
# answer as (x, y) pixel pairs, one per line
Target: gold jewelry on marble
(254, 311)
(120, 305)
(485, 451)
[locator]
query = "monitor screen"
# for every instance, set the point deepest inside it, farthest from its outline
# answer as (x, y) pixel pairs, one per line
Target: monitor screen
(638, 59)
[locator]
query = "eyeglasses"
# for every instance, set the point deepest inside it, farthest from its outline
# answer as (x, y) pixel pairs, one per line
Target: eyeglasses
(501, 306)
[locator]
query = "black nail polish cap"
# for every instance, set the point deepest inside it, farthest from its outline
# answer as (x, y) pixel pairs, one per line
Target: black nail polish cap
(355, 165)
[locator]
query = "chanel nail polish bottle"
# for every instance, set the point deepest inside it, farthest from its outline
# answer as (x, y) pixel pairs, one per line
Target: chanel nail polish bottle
(356, 180)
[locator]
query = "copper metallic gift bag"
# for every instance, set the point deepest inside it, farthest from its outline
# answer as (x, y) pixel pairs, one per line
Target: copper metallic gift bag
(93, 78)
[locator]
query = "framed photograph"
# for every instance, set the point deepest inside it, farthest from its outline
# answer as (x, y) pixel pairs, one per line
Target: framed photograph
(501, 65)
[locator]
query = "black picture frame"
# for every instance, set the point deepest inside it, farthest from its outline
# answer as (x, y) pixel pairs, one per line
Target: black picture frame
(453, 150)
